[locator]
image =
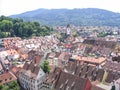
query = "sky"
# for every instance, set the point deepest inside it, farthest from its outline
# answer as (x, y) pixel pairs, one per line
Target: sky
(11, 7)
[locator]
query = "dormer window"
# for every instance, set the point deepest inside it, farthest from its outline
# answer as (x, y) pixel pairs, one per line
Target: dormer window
(67, 88)
(10, 78)
(0, 81)
(66, 82)
(61, 86)
(73, 84)
(5, 79)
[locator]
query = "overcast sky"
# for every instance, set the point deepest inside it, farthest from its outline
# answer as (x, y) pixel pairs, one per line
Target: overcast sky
(10, 7)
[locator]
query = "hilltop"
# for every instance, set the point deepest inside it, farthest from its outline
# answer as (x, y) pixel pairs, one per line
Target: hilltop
(85, 16)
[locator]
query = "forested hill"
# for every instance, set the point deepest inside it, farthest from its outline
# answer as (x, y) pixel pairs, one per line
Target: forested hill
(88, 16)
(17, 27)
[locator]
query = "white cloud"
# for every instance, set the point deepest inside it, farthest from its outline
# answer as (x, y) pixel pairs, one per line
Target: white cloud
(9, 7)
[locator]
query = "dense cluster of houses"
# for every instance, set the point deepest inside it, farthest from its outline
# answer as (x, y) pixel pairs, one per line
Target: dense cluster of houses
(78, 63)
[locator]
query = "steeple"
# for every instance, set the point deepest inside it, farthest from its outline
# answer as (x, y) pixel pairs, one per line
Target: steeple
(68, 29)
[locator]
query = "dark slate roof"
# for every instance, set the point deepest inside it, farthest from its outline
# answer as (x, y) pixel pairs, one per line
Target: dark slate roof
(100, 74)
(36, 70)
(26, 65)
(112, 76)
(107, 44)
(68, 81)
(33, 68)
(53, 77)
(112, 66)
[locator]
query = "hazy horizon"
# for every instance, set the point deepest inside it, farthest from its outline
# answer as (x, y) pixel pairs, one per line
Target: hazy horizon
(11, 7)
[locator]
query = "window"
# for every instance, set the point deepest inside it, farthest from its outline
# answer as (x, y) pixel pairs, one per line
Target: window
(10, 78)
(0, 81)
(5, 79)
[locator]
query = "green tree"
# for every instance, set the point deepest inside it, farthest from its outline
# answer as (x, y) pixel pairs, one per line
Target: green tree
(18, 27)
(45, 66)
(1, 86)
(2, 35)
(6, 25)
(36, 24)
(13, 85)
(102, 34)
(75, 34)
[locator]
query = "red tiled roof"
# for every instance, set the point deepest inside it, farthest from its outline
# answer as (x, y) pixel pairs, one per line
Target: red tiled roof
(7, 77)
(91, 59)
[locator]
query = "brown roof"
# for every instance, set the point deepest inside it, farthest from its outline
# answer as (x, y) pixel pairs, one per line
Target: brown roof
(107, 44)
(96, 88)
(71, 66)
(68, 81)
(37, 59)
(112, 66)
(91, 59)
(12, 52)
(112, 76)
(100, 74)
(64, 56)
(7, 77)
(53, 77)
(36, 70)
(32, 67)
(85, 70)
(51, 55)
(14, 69)
(26, 66)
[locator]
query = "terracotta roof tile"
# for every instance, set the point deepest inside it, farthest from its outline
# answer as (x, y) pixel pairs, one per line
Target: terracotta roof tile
(7, 77)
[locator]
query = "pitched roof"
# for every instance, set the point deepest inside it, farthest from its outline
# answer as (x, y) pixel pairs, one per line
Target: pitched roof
(53, 77)
(26, 65)
(15, 69)
(112, 66)
(36, 70)
(107, 44)
(85, 70)
(37, 59)
(112, 76)
(31, 67)
(68, 81)
(96, 88)
(7, 77)
(100, 74)
(91, 59)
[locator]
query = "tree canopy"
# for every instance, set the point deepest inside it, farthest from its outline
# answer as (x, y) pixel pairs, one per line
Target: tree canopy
(17, 27)
(45, 66)
(11, 86)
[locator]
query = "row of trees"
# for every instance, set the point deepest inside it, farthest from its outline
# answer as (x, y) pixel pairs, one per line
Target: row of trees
(17, 27)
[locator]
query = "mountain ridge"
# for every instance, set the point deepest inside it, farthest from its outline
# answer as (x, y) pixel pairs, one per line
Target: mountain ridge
(84, 16)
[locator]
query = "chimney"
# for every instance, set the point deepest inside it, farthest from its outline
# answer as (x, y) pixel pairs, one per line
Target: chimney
(7, 70)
